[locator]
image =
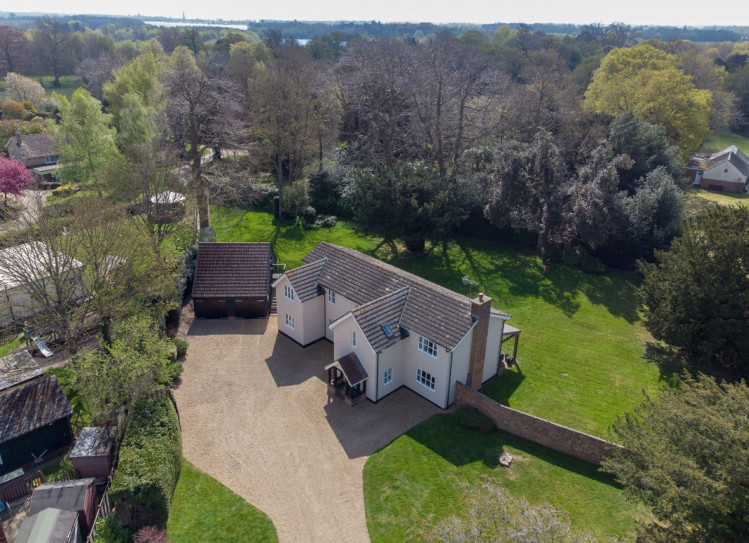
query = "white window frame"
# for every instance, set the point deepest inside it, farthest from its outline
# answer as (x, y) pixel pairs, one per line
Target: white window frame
(428, 346)
(50, 159)
(288, 292)
(353, 339)
(331, 297)
(290, 321)
(387, 377)
(425, 379)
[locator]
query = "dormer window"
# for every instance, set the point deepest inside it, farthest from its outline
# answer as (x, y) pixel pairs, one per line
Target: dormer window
(331, 297)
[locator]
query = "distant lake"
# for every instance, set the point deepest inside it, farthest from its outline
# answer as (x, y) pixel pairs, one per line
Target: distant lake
(177, 24)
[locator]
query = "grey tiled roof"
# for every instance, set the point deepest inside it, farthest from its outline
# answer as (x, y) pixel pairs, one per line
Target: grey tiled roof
(437, 313)
(33, 145)
(386, 310)
(304, 280)
(30, 406)
(733, 155)
(238, 270)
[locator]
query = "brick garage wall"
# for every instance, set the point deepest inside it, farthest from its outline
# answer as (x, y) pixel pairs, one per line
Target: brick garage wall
(549, 434)
(727, 186)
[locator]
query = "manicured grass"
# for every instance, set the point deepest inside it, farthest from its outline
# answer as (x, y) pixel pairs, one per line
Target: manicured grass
(204, 508)
(422, 473)
(81, 417)
(717, 141)
(698, 199)
(584, 326)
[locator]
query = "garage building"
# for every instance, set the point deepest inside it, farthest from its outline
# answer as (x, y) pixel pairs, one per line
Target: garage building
(233, 280)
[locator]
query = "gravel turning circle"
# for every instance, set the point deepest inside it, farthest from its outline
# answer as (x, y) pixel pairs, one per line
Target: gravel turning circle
(256, 415)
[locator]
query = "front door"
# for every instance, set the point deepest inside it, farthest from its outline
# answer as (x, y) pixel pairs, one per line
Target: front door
(231, 310)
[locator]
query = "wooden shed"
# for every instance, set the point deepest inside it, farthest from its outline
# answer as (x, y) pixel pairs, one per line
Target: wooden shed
(233, 280)
(93, 453)
(18, 368)
(13, 486)
(78, 495)
(50, 526)
(34, 421)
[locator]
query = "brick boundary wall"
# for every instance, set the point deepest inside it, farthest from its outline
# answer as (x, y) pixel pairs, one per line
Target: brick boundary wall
(549, 434)
(728, 186)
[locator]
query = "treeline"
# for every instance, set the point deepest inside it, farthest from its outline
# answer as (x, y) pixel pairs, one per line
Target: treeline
(573, 143)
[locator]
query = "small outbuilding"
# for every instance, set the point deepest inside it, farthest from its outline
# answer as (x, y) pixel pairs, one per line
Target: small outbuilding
(78, 495)
(50, 526)
(34, 421)
(233, 280)
(18, 368)
(93, 453)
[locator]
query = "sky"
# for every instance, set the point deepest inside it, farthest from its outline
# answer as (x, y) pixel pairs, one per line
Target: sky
(635, 12)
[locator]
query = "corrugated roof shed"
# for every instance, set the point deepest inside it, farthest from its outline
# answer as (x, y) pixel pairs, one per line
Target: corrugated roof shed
(18, 368)
(66, 495)
(233, 270)
(48, 526)
(31, 406)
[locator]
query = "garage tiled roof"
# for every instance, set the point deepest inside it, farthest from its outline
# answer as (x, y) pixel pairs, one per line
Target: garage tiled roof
(233, 270)
(31, 406)
(437, 313)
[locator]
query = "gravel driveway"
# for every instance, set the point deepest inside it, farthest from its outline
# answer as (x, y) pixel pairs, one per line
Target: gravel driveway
(256, 416)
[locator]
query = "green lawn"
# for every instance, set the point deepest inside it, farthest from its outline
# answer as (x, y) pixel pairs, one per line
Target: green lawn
(422, 472)
(66, 88)
(717, 141)
(584, 326)
(203, 506)
(12, 346)
(698, 199)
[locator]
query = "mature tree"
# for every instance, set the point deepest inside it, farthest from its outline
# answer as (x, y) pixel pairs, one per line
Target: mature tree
(53, 48)
(94, 73)
(529, 188)
(14, 178)
(696, 296)
(202, 113)
(84, 138)
(685, 456)
(287, 115)
(493, 516)
(14, 50)
(139, 77)
(373, 91)
(22, 88)
(738, 83)
(123, 371)
(646, 144)
(647, 81)
(410, 202)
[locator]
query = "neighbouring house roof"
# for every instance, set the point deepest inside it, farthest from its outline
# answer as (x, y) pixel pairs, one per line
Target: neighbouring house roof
(49, 526)
(65, 495)
(33, 145)
(730, 154)
(304, 280)
(351, 367)
(30, 406)
(18, 368)
(94, 441)
(386, 310)
(31, 261)
(233, 270)
(440, 314)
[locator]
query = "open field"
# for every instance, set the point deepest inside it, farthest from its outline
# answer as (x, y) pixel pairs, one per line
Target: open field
(717, 141)
(422, 473)
(67, 86)
(202, 505)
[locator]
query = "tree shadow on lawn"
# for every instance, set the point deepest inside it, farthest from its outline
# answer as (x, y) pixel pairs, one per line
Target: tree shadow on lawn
(503, 386)
(443, 435)
(673, 364)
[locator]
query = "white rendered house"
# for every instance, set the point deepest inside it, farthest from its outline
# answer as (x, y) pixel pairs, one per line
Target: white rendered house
(390, 328)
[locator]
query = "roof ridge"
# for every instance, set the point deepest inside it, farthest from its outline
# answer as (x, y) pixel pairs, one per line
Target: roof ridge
(420, 281)
(383, 297)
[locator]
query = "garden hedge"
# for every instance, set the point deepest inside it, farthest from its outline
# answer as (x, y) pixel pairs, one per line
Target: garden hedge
(150, 460)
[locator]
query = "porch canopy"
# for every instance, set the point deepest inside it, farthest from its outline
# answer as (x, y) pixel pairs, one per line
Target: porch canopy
(347, 377)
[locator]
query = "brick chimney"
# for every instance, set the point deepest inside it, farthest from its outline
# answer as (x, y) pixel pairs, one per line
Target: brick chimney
(18, 138)
(480, 307)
